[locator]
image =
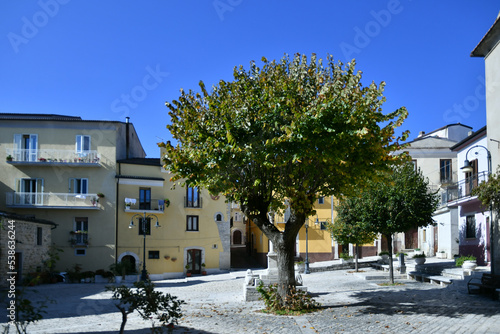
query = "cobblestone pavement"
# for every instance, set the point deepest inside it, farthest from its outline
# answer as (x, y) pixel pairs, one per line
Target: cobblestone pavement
(215, 304)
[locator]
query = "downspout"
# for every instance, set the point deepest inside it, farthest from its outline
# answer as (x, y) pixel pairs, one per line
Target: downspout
(127, 141)
(116, 212)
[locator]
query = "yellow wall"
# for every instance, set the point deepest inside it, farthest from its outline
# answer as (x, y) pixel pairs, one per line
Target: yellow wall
(319, 242)
(171, 239)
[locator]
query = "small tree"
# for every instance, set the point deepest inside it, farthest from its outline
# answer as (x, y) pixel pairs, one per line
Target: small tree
(396, 202)
(147, 302)
(347, 227)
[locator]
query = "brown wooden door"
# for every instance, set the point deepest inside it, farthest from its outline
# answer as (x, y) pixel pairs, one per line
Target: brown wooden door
(194, 260)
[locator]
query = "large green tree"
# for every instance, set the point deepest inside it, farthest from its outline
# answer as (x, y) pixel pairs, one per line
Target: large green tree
(348, 228)
(396, 202)
(290, 131)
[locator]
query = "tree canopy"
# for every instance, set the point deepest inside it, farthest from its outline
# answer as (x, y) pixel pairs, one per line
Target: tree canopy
(289, 131)
(396, 202)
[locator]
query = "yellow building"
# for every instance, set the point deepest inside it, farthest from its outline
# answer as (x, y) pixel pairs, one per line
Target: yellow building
(193, 226)
(314, 235)
(66, 170)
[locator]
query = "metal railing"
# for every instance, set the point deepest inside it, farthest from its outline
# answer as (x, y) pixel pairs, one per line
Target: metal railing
(190, 203)
(156, 204)
(30, 199)
(52, 155)
(463, 188)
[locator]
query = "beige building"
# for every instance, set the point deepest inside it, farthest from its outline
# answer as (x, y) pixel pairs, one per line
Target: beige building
(489, 49)
(431, 153)
(78, 173)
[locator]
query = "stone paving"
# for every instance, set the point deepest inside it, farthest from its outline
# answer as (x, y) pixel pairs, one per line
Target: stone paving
(215, 304)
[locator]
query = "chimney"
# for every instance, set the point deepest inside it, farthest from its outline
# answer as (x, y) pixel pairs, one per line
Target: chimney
(421, 133)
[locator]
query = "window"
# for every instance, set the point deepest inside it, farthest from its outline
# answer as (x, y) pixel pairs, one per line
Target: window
(237, 217)
(445, 170)
(145, 226)
(81, 236)
(218, 217)
(80, 252)
(192, 223)
(39, 236)
(154, 255)
(25, 147)
(322, 225)
(470, 227)
(145, 198)
(78, 186)
(193, 197)
(414, 163)
(321, 200)
(30, 191)
(82, 145)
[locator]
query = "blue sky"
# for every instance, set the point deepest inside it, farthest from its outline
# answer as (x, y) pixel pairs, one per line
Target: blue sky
(106, 60)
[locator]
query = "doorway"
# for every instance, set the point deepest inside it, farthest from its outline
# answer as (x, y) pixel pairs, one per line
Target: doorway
(193, 260)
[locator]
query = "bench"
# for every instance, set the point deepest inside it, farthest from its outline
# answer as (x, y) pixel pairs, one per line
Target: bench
(488, 284)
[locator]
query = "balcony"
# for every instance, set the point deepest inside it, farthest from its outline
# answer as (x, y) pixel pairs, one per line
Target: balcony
(463, 188)
(52, 200)
(154, 206)
(46, 157)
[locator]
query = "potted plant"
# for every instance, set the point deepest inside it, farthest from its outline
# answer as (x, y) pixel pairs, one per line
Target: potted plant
(167, 202)
(385, 256)
(300, 266)
(119, 269)
(100, 195)
(188, 270)
(345, 257)
(127, 205)
(9, 158)
(419, 258)
(467, 262)
(203, 271)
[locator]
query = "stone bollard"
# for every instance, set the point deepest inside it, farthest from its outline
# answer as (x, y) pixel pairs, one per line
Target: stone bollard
(402, 266)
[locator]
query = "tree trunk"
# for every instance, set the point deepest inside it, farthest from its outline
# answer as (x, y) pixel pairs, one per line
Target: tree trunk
(356, 258)
(124, 319)
(391, 267)
(283, 244)
(285, 261)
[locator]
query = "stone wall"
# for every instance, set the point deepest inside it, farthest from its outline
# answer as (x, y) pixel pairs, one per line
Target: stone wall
(28, 255)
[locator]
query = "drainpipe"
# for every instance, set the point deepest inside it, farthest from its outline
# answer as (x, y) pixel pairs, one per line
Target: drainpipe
(116, 212)
(127, 141)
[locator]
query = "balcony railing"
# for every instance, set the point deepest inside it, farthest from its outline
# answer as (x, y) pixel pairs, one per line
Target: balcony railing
(133, 205)
(56, 200)
(193, 203)
(51, 155)
(463, 188)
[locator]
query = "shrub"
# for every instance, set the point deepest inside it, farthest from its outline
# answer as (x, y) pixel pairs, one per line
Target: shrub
(418, 255)
(150, 304)
(384, 253)
(345, 256)
(460, 261)
(297, 302)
